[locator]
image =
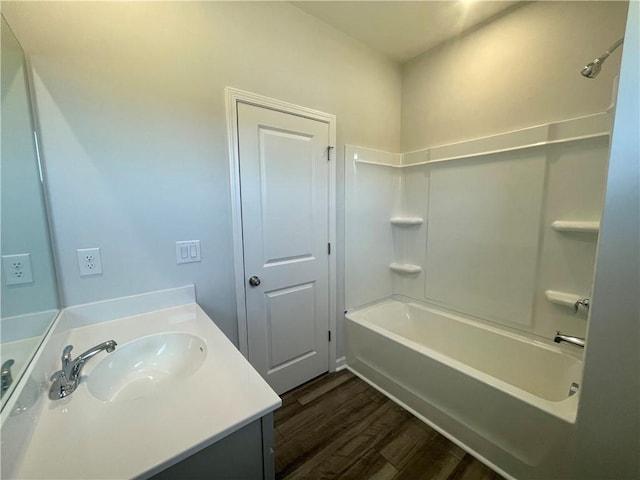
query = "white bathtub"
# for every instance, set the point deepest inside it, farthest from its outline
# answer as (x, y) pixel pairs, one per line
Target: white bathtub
(499, 395)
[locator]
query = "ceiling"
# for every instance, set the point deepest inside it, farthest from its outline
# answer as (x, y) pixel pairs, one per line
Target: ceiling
(402, 30)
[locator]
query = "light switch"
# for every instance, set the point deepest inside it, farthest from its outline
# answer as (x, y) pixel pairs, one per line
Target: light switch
(188, 251)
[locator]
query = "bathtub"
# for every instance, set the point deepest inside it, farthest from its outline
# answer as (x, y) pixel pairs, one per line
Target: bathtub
(508, 400)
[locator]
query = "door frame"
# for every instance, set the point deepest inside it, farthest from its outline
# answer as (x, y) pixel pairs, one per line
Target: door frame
(233, 96)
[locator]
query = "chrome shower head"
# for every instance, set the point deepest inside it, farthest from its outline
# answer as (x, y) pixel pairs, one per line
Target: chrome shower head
(591, 70)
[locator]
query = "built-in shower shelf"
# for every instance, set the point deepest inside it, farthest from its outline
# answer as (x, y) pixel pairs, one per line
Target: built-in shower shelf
(562, 298)
(576, 226)
(405, 221)
(405, 268)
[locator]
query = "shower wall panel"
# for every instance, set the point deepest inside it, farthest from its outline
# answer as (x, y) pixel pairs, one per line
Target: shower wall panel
(577, 175)
(372, 196)
(483, 235)
(487, 247)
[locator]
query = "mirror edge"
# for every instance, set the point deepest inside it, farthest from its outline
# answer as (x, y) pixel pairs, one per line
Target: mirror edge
(20, 380)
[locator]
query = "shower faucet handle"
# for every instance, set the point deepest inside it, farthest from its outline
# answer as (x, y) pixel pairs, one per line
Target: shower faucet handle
(584, 302)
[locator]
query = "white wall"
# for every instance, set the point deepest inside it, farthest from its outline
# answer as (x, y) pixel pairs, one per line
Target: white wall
(608, 423)
(518, 71)
(130, 98)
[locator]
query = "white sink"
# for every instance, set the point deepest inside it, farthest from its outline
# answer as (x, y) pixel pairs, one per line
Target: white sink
(146, 366)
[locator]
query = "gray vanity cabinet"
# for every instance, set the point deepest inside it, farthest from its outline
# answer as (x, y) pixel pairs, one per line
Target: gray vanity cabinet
(246, 454)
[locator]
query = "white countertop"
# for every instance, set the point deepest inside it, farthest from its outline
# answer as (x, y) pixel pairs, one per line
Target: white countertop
(83, 437)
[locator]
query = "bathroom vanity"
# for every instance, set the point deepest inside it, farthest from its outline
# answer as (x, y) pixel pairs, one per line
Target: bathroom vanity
(175, 399)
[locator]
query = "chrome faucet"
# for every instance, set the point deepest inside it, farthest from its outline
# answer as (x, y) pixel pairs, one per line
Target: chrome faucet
(561, 337)
(7, 378)
(584, 302)
(66, 380)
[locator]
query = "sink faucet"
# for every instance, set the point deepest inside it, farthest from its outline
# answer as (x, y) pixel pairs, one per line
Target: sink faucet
(561, 337)
(66, 380)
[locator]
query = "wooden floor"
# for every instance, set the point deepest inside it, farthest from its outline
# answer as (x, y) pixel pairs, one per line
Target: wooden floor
(337, 426)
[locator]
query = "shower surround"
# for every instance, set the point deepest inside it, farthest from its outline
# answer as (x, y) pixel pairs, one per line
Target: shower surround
(451, 253)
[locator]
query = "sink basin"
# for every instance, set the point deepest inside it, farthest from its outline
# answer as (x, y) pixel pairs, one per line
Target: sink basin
(146, 366)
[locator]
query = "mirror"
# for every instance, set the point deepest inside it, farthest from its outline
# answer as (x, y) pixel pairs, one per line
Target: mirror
(29, 296)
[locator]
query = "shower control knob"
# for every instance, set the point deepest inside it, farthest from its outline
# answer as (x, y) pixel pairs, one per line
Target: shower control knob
(254, 281)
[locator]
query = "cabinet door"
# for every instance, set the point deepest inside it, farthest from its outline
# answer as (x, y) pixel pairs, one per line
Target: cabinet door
(246, 454)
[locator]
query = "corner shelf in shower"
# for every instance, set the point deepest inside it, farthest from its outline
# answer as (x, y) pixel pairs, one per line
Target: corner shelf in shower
(576, 226)
(406, 221)
(562, 298)
(405, 268)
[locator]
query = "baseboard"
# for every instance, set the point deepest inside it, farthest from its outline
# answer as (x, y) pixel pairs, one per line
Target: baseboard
(341, 363)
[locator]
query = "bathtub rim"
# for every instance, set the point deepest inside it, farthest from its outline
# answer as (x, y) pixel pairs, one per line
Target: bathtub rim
(565, 409)
(496, 327)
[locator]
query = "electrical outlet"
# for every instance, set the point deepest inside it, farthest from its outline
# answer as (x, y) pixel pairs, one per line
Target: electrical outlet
(17, 269)
(89, 261)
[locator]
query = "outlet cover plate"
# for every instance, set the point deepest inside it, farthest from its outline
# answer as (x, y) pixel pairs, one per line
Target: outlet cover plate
(188, 251)
(17, 269)
(89, 261)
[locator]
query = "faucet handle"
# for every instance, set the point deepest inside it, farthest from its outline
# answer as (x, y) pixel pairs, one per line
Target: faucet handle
(581, 301)
(57, 375)
(7, 379)
(6, 367)
(66, 355)
(59, 386)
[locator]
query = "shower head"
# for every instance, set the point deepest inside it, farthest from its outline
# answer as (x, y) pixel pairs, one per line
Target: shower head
(591, 70)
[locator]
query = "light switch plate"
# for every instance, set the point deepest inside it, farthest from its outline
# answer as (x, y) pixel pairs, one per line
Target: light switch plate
(89, 261)
(188, 251)
(17, 269)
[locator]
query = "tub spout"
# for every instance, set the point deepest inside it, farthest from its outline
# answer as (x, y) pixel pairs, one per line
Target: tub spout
(561, 337)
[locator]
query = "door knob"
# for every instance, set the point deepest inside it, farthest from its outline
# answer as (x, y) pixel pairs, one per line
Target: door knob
(254, 281)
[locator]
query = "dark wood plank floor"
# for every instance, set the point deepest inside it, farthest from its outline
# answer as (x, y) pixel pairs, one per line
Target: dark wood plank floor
(337, 426)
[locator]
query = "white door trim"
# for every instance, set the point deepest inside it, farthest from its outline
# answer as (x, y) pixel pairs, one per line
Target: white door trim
(234, 96)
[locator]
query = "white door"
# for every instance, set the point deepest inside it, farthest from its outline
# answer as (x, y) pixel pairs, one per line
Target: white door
(284, 184)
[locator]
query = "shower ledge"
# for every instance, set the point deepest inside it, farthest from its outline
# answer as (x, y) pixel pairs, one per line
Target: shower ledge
(576, 226)
(562, 298)
(405, 268)
(405, 221)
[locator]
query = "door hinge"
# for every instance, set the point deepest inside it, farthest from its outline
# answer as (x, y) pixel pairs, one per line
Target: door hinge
(329, 335)
(328, 248)
(329, 148)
